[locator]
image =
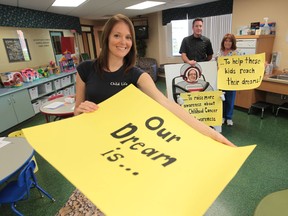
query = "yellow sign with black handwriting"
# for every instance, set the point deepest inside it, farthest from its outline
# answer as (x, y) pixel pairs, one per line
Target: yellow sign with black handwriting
(240, 72)
(137, 158)
(205, 106)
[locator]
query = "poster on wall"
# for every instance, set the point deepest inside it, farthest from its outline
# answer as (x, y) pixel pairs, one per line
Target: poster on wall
(17, 50)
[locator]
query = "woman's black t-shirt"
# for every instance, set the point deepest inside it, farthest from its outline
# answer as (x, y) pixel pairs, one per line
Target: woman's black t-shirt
(100, 87)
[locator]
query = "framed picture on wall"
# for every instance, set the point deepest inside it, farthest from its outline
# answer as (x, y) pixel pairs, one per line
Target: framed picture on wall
(17, 50)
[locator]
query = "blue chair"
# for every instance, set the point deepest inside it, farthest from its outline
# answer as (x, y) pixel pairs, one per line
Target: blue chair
(20, 134)
(19, 189)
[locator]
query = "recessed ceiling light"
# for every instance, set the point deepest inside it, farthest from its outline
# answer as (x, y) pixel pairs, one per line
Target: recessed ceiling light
(68, 3)
(145, 5)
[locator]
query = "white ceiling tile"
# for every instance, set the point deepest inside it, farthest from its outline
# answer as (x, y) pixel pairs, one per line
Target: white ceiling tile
(97, 9)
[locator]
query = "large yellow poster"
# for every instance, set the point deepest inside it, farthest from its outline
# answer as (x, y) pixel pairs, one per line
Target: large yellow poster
(240, 72)
(132, 157)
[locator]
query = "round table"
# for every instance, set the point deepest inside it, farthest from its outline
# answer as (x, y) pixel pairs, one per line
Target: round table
(63, 111)
(14, 156)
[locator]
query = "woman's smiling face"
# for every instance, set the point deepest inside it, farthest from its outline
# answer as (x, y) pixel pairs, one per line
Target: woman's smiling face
(227, 44)
(120, 40)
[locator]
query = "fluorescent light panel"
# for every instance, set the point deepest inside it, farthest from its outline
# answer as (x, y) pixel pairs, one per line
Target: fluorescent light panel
(145, 5)
(68, 3)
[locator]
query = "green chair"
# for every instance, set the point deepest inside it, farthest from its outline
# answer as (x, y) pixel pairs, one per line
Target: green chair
(274, 204)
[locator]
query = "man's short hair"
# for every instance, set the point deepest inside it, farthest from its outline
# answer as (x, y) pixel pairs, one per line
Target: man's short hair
(197, 19)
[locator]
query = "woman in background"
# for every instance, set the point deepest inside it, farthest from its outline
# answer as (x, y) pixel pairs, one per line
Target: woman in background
(115, 69)
(228, 48)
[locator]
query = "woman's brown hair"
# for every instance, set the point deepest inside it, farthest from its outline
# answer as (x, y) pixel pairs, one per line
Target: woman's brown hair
(130, 58)
(230, 37)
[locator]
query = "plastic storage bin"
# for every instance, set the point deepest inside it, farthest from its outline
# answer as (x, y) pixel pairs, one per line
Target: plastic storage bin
(57, 84)
(66, 91)
(36, 106)
(33, 92)
(45, 88)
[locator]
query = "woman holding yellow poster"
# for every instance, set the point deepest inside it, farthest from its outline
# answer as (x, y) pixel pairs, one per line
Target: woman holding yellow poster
(115, 69)
(228, 48)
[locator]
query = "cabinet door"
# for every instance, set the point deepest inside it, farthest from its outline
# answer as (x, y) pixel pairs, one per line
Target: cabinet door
(244, 98)
(22, 105)
(7, 114)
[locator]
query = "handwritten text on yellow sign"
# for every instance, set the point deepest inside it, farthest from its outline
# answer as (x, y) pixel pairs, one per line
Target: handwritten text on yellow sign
(128, 161)
(240, 72)
(205, 106)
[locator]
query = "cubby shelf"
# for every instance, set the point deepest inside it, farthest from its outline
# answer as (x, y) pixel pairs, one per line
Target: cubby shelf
(21, 103)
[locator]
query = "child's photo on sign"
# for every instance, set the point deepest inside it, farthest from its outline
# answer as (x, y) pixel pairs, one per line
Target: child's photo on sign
(190, 79)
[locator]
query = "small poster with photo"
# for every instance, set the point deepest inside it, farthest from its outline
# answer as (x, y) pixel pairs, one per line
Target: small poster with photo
(17, 51)
(255, 25)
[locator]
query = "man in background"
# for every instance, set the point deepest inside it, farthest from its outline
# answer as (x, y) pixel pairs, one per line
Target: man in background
(196, 47)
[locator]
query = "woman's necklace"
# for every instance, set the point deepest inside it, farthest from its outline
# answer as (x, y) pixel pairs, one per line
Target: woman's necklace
(226, 52)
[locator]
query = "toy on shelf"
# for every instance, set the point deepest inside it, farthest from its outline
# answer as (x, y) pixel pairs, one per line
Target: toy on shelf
(75, 60)
(67, 63)
(29, 75)
(44, 73)
(52, 66)
(11, 79)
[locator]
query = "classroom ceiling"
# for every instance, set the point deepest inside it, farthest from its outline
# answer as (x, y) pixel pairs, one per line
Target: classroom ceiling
(100, 9)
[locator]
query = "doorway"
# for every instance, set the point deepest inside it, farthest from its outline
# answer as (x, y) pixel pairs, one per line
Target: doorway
(56, 44)
(88, 41)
